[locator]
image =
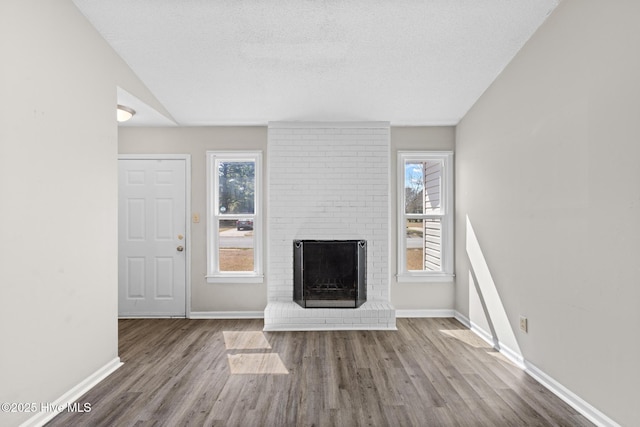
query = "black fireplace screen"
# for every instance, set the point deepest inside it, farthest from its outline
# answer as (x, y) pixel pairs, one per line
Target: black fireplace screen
(329, 273)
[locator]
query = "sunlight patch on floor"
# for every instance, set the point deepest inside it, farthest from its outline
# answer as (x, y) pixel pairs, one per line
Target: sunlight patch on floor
(245, 340)
(252, 362)
(466, 336)
(257, 363)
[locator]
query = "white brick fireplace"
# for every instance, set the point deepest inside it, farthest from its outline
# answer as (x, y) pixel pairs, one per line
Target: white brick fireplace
(328, 181)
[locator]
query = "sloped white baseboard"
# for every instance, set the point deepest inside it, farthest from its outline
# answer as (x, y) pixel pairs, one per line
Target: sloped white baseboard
(424, 313)
(74, 394)
(572, 399)
(575, 401)
(227, 315)
(462, 319)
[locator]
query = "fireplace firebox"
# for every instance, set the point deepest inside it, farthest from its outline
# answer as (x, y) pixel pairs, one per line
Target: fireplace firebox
(330, 273)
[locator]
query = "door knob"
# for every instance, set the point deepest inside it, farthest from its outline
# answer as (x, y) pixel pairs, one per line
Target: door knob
(180, 248)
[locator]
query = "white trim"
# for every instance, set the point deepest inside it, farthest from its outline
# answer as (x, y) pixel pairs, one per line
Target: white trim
(328, 327)
(390, 215)
(154, 156)
(462, 318)
(425, 278)
(41, 418)
(329, 125)
(151, 316)
(233, 278)
(569, 397)
(424, 313)
(226, 315)
(187, 201)
(512, 355)
(486, 336)
(506, 351)
(213, 273)
(187, 229)
(446, 217)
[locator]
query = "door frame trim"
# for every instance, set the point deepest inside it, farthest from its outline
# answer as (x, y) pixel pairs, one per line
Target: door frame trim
(187, 160)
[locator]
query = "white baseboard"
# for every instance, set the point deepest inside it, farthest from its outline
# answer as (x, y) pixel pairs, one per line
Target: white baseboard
(516, 358)
(148, 316)
(506, 351)
(327, 327)
(74, 394)
(572, 399)
(486, 336)
(462, 319)
(424, 313)
(226, 315)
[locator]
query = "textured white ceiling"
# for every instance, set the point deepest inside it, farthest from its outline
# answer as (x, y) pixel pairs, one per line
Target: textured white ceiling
(226, 62)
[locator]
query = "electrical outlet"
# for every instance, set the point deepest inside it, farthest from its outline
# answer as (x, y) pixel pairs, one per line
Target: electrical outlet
(524, 324)
(196, 218)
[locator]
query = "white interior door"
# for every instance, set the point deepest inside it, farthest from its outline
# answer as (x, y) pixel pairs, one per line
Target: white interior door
(151, 237)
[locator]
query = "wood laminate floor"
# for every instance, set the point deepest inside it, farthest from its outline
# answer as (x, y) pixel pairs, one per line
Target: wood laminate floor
(431, 372)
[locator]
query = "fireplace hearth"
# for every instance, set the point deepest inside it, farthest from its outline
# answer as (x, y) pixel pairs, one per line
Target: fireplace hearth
(329, 273)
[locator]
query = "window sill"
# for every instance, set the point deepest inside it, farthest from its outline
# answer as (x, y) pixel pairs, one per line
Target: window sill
(425, 278)
(235, 278)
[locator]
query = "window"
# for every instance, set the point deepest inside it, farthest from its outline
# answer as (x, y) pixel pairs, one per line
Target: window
(425, 217)
(234, 219)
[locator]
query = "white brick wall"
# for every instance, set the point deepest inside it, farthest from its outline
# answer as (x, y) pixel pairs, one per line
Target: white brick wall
(328, 181)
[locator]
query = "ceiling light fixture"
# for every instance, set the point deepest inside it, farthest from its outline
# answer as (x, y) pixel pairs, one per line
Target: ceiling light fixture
(124, 113)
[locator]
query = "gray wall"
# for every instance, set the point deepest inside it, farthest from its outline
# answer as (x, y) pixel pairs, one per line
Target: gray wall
(205, 297)
(58, 200)
(196, 141)
(417, 296)
(549, 182)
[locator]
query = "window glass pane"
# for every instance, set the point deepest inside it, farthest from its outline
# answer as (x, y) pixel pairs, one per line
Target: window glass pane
(236, 187)
(423, 186)
(236, 244)
(424, 245)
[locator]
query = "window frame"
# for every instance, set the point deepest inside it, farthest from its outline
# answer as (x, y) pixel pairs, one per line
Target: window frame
(446, 216)
(214, 275)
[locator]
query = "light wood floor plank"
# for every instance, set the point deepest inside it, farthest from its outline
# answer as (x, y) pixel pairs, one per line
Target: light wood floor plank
(431, 372)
